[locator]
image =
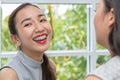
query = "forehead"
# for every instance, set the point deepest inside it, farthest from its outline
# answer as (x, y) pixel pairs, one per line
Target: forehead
(100, 4)
(29, 10)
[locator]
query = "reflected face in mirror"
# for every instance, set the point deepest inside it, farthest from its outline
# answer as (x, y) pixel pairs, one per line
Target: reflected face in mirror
(34, 30)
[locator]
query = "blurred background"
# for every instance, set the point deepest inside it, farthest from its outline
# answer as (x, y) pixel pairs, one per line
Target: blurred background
(73, 32)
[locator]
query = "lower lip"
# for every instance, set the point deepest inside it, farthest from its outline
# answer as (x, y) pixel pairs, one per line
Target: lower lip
(42, 42)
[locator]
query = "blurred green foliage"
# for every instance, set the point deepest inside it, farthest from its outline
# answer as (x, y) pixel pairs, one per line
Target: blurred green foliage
(102, 59)
(7, 44)
(70, 34)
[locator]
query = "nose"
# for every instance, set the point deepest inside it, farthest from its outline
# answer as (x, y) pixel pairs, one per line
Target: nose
(39, 27)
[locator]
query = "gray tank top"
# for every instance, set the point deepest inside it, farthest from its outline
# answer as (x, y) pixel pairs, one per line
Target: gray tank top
(25, 67)
(110, 70)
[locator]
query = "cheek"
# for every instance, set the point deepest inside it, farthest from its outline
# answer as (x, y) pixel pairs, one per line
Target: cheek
(50, 32)
(95, 22)
(98, 21)
(25, 34)
(48, 28)
(97, 25)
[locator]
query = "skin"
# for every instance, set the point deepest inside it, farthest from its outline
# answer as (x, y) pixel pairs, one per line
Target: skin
(10, 74)
(103, 22)
(92, 77)
(30, 23)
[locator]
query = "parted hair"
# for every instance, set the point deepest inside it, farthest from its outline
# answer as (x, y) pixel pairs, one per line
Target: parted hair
(48, 67)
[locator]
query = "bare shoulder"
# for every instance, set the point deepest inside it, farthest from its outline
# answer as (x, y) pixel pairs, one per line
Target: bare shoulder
(8, 74)
(92, 77)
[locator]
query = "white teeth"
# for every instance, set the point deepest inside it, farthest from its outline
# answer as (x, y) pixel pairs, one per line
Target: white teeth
(40, 38)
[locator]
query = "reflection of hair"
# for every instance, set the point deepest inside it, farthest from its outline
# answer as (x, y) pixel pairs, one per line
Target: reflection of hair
(114, 36)
(47, 70)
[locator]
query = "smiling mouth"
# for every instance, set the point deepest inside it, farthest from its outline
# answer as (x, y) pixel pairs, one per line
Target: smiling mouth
(41, 39)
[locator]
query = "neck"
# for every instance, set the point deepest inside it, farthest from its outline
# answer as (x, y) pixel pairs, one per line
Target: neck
(38, 56)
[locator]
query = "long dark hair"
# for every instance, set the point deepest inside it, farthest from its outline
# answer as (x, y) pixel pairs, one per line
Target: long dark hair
(47, 68)
(114, 36)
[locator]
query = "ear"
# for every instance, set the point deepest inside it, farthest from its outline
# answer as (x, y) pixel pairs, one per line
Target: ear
(15, 40)
(111, 18)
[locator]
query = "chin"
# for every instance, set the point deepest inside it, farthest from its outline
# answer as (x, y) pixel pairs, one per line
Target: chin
(99, 42)
(44, 48)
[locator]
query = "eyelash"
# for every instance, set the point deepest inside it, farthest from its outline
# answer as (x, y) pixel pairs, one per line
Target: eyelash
(43, 20)
(27, 24)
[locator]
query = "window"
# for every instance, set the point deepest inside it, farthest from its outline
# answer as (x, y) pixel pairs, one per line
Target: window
(73, 47)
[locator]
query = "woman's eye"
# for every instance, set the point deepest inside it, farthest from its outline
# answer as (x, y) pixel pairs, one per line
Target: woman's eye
(29, 24)
(43, 20)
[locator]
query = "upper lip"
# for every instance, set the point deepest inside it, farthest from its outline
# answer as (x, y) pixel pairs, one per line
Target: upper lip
(40, 35)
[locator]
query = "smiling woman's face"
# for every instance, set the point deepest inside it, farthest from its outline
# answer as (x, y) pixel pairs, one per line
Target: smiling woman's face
(34, 30)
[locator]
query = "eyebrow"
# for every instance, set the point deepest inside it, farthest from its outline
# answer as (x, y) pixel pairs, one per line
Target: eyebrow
(26, 19)
(40, 15)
